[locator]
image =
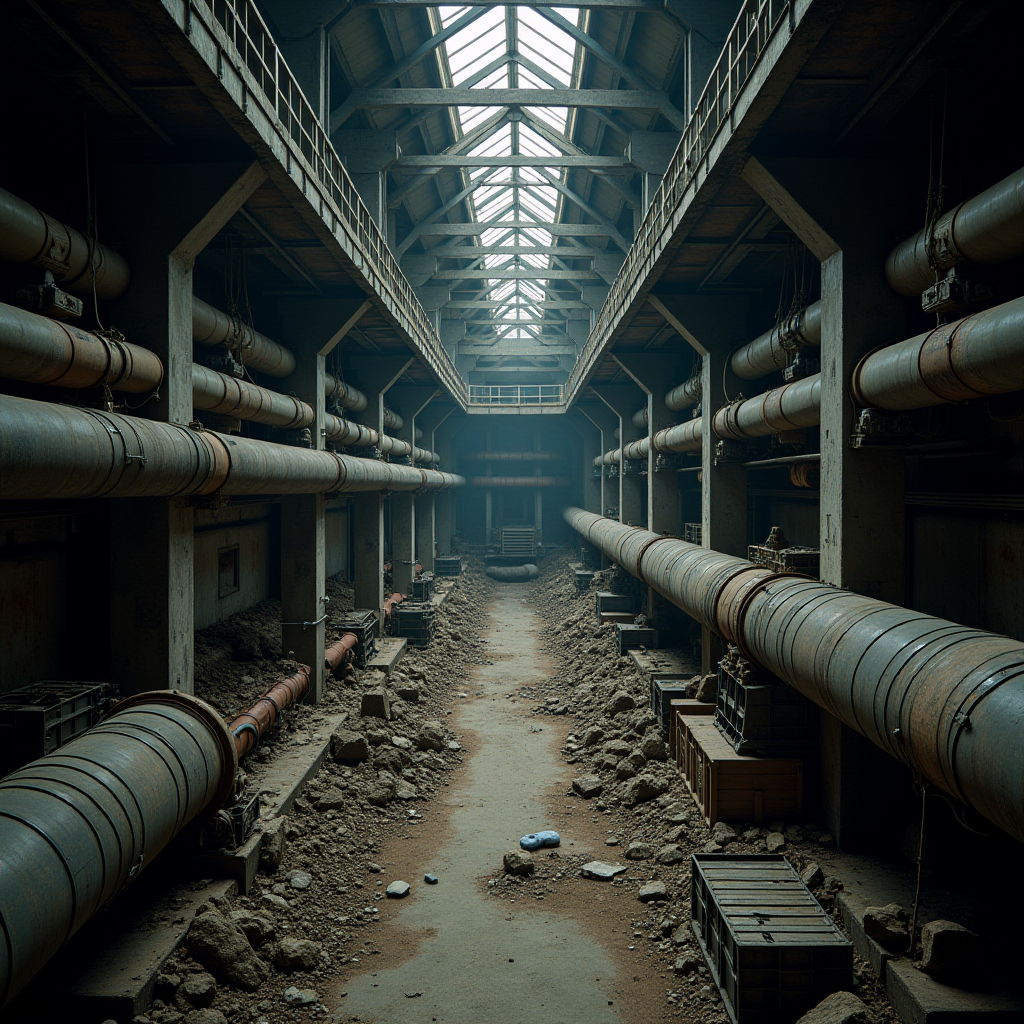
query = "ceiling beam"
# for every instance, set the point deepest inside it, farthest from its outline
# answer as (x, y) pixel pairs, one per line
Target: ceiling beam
(610, 99)
(556, 160)
(479, 227)
(624, 5)
(517, 274)
(468, 252)
(539, 304)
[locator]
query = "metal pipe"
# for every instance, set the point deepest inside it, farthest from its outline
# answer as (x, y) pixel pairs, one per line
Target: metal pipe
(982, 354)
(791, 407)
(39, 350)
(215, 328)
(988, 228)
(78, 825)
(29, 236)
(513, 457)
(340, 651)
(772, 350)
(53, 451)
(391, 420)
(519, 481)
(639, 418)
(684, 395)
(683, 437)
(348, 432)
(389, 606)
(943, 698)
(220, 393)
(347, 396)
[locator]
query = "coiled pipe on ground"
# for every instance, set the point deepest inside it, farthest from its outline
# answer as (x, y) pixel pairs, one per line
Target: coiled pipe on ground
(519, 481)
(54, 451)
(988, 229)
(78, 825)
(773, 349)
(943, 698)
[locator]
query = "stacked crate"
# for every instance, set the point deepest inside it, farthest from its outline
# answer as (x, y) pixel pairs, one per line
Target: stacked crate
(363, 622)
(414, 621)
(629, 636)
(423, 587)
(582, 579)
(447, 565)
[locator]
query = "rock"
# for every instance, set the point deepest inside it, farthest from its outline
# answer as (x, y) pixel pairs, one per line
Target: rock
(410, 694)
(629, 766)
(682, 935)
(588, 786)
(707, 689)
(519, 862)
(592, 736)
(616, 749)
(621, 701)
(374, 704)
(223, 949)
(331, 799)
(653, 748)
(638, 851)
(948, 949)
(888, 926)
(812, 876)
(198, 990)
(388, 758)
(396, 890)
(297, 954)
(794, 834)
(300, 996)
(775, 842)
(273, 900)
(165, 986)
(383, 791)
(349, 746)
(642, 789)
(652, 891)
(431, 879)
(677, 817)
(601, 871)
(299, 879)
(206, 1016)
(686, 964)
(272, 849)
(840, 1008)
(723, 833)
(406, 791)
(430, 736)
(255, 928)
(670, 854)
(401, 743)
(673, 835)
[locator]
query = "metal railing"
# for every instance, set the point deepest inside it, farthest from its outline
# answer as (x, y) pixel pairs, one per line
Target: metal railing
(750, 34)
(295, 119)
(516, 394)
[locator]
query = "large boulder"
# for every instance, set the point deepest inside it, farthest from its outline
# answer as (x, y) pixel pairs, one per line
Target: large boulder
(222, 948)
(255, 927)
(620, 701)
(519, 862)
(347, 745)
(430, 736)
(948, 949)
(889, 926)
(375, 704)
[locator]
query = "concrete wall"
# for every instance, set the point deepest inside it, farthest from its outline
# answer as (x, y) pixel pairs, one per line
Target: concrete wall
(336, 525)
(246, 529)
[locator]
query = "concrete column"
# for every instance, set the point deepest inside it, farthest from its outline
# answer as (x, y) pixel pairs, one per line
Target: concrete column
(431, 417)
(712, 326)
(622, 400)
(444, 501)
(367, 155)
(152, 570)
(591, 481)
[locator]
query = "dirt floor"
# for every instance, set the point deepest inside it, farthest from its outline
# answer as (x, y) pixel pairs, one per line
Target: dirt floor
(519, 696)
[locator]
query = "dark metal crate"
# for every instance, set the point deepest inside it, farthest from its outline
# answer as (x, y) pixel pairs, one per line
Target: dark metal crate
(582, 578)
(363, 622)
(415, 622)
(772, 950)
(36, 720)
(693, 532)
(663, 691)
(606, 601)
(448, 565)
(423, 587)
(629, 636)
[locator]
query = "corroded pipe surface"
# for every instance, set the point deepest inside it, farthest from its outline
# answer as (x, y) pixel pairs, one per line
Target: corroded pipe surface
(54, 451)
(389, 606)
(684, 395)
(78, 825)
(791, 407)
(348, 432)
(248, 728)
(684, 437)
(982, 354)
(512, 573)
(213, 327)
(220, 393)
(348, 397)
(943, 698)
(39, 350)
(29, 236)
(519, 481)
(772, 350)
(340, 651)
(989, 228)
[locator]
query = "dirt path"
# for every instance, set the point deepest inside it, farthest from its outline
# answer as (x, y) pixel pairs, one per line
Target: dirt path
(485, 960)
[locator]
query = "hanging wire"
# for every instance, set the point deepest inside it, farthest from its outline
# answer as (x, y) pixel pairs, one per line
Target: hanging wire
(923, 786)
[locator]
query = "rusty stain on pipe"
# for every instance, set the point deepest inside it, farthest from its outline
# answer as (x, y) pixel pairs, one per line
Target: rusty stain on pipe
(212, 327)
(217, 392)
(248, 728)
(943, 698)
(683, 396)
(772, 350)
(791, 407)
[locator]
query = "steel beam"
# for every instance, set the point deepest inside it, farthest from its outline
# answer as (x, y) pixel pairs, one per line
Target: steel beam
(553, 160)
(612, 99)
(467, 228)
(517, 274)
(545, 304)
(463, 252)
(622, 5)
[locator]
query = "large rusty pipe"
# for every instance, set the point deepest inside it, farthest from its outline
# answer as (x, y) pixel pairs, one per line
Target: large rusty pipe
(340, 651)
(220, 393)
(519, 481)
(684, 395)
(945, 699)
(29, 236)
(348, 432)
(683, 437)
(982, 354)
(639, 418)
(791, 407)
(772, 350)
(78, 825)
(212, 327)
(988, 229)
(54, 451)
(347, 396)
(39, 350)
(248, 728)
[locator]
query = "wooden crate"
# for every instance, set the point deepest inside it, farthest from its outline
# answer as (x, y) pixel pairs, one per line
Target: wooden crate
(727, 786)
(685, 707)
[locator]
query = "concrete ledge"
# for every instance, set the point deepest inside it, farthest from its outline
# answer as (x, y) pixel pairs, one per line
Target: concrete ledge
(920, 999)
(851, 910)
(390, 651)
(666, 664)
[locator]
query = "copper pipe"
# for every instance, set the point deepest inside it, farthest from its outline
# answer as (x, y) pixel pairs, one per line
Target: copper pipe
(389, 605)
(340, 651)
(251, 726)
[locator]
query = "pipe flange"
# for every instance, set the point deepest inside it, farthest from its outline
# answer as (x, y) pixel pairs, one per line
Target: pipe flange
(935, 365)
(751, 591)
(640, 556)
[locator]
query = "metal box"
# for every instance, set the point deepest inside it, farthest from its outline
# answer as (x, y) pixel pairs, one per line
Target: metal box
(36, 720)
(582, 578)
(693, 533)
(413, 621)
(795, 558)
(423, 587)
(663, 691)
(772, 950)
(606, 601)
(518, 542)
(448, 565)
(362, 622)
(629, 636)
(727, 786)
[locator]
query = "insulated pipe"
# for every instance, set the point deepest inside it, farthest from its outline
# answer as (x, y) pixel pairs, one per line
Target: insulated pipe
(78, 825)
(791, 407)
(347, 396)
(215, 328)
(220, 393)
(684, 395)
(54, 451)
(982, 354)
(39, 350)
(513, 457)
(772, 350)
(29, 236)
(945, 699)
(989, 228)
(639, 418)
(519, 481)
(683, 437)
(348, 432)
(391, 420)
